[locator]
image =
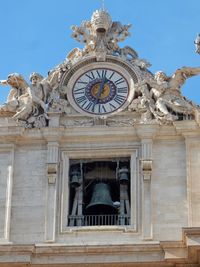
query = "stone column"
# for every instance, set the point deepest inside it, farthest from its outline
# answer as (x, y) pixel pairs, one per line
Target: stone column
(51, 192)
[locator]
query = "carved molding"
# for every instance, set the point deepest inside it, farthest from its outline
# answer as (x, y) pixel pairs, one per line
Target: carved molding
(156, 98)
(184, 253)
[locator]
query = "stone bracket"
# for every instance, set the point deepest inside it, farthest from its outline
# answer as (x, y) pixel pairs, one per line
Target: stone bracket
(146, 166)
(52, 169)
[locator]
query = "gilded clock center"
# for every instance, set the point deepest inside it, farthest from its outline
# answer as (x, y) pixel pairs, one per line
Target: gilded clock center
(105, 91)
(95, 91)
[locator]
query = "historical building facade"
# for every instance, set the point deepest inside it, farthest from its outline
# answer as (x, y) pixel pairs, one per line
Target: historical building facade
(100, 160)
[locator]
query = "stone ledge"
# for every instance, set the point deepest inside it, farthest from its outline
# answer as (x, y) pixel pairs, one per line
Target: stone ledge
(185, 253)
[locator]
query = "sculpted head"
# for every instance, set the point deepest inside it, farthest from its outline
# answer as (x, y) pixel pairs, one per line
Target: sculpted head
(35, 78)
(16, 80)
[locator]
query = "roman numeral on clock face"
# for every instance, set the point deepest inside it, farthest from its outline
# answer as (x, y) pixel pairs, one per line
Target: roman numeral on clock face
(100, 91)
(79, 91)
(119, 99)
(89, 105)
(122, 90)
(101, 73)
(80, 99)
(101, 109)
(119, 81)
(90, 75)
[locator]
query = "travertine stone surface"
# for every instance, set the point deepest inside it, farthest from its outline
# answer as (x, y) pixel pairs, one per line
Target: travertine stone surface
(79, 113)
(29, 188)
(6, 186)
(193, 183)
(169, 189)
(169, 184)
(38, 214)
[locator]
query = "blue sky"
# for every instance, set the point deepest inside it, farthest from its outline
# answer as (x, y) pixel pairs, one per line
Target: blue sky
(35, 34)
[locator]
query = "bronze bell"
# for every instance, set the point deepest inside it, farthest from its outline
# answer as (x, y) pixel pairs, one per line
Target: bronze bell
(101, 201)
(123, 175)
(75, 179)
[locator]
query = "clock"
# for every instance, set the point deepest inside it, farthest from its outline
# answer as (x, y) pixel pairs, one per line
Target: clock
(100, 89)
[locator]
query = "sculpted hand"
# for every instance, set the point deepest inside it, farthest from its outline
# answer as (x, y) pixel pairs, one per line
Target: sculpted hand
(3, 82)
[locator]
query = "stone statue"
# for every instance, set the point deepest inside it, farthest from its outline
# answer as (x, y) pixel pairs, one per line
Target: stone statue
(39, 89)
(197, 44)
(54, 76)
(34, 99)
(157, 97)
(100, 35)
(144, 103)
(18, 87)
(166, 91)
(27, 102)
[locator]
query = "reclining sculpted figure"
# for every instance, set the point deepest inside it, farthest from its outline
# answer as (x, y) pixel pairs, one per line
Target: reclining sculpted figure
(18, 87)
(166, 91)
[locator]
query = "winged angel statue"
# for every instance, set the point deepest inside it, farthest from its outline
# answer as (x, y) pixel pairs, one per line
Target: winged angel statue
(161, 96)
(30, 102)
(158, 97)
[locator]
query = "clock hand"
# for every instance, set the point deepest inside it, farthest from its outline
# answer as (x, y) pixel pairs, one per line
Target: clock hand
(104, 81)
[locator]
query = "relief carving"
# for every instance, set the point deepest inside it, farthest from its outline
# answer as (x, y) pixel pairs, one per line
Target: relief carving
(158, 97)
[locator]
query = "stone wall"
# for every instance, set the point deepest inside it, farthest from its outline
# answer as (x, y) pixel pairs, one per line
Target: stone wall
(33, 208)
(28, 199)
(193, 182)
(6, 171)
(169, 189)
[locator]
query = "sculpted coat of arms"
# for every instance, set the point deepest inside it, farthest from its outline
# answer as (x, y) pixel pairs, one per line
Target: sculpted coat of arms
(102, 81)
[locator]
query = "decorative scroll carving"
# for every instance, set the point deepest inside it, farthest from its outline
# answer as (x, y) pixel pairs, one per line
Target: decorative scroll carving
(100, 35)
(158, 98)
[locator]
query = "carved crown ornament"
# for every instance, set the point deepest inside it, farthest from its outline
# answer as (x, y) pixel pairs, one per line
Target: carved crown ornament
(100, 84)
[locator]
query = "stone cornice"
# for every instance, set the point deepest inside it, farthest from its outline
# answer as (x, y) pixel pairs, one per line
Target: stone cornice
(181, 129)
(183, 253)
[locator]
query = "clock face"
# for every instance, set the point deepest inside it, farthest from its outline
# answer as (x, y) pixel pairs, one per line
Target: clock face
(100, 88)
(100, 91)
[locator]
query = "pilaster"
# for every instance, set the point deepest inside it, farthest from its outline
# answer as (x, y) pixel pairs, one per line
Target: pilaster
(146, 134)
(6, 182)
(191, 132)
(51, 192)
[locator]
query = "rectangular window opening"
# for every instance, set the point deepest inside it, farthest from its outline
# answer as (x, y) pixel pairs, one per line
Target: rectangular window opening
(99, 192)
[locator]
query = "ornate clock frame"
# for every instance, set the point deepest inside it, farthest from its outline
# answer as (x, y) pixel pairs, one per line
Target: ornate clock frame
(70, 78)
